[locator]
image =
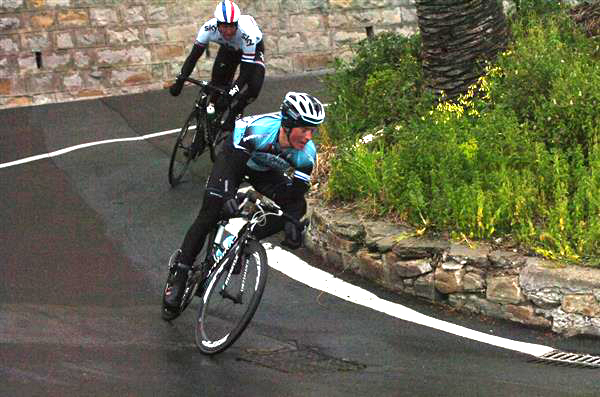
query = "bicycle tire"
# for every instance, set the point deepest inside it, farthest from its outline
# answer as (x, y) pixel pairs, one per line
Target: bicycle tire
(183, 153)
(221, 321)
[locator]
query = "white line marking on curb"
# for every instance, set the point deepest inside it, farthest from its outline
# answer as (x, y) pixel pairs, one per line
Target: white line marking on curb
(295, 268)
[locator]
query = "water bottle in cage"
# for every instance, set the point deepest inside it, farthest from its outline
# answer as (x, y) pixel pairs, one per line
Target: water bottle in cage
(223, 241)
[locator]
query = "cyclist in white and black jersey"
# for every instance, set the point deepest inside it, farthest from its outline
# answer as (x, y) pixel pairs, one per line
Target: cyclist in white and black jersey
(241, 43)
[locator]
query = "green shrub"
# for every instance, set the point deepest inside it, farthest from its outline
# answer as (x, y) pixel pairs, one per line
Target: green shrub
(519, 155)
(380, 85)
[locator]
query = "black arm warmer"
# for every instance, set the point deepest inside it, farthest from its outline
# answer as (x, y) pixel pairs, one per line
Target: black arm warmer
(246, 71)
(190, 62)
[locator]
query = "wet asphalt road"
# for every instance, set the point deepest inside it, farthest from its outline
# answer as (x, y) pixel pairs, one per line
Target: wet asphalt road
(85, 238)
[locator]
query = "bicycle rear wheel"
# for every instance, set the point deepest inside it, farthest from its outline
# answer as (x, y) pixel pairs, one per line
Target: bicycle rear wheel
(189, 145)
(222, 317)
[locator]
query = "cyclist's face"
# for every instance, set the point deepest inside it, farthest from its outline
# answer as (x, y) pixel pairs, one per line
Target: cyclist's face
(299, 136)
(227, 30)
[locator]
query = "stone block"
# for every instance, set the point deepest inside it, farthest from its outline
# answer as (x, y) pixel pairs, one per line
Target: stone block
(306, 23)
(155, 35)
(123, 36)
(5, 86)
(9, 45)
(73, 18)
(291, 43)
(11, 5)
(82, 59)
(474, 256)
(133, 15)
(473, 282)
(167, 52)
(63, 40)
(504, 289)
(539, 274)
(448, 282)
(89, 38)
(8, 67)
(586, 305)
(370, 266)
(506, 259)
(9, 24)
(344, 38)
(571, 324)
(130, 77)
(103, 16)
(42, 21)
(308, 62)
(27, 63)
(57, 60)
(341, 244)
(424, 287)
(72, 82)
(525, 314)
(416, 248)
(409, 268)
(36, 41)
(41, 83)
(157, 13)
(409, 15)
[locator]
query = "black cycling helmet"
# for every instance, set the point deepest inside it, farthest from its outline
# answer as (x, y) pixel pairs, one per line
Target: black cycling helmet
(299, 110)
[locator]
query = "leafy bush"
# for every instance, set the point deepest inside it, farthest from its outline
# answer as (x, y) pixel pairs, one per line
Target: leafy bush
(519, 155)
(381, 84)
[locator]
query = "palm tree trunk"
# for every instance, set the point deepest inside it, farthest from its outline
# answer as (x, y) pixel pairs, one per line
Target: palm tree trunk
(457, 35)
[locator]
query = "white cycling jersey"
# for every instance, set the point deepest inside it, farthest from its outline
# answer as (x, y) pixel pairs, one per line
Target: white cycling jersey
(247, 36)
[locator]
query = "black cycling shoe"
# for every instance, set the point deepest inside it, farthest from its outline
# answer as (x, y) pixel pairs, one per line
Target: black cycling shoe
(178, 276)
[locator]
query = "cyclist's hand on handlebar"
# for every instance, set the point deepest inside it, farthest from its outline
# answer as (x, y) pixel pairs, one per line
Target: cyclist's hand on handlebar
(231, 207)
(293, 235)
(176, 88)
(223, 101)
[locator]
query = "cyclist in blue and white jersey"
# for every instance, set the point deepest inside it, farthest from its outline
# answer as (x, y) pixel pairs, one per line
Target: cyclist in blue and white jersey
(240, 43)
(277, 155)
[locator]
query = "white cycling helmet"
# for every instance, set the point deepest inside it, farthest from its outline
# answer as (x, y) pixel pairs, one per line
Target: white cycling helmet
(300, 109)
(227, 12)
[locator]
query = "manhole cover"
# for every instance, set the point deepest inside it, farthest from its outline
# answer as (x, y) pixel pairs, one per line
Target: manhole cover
(299, 359)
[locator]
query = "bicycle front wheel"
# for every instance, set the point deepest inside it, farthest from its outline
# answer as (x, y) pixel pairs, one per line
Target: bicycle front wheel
(189, 145)
(231, 299)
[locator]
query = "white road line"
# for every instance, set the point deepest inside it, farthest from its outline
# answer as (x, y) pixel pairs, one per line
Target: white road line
(295, 268)
(87, 145)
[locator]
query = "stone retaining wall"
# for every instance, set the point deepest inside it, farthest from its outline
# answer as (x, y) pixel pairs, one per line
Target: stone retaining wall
(495, 282)
(58, 50)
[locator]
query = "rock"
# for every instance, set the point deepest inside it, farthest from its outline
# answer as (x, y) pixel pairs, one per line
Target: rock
(506, 259)
(504, 289)
(448, 282)
(586, 305)
(418, 248)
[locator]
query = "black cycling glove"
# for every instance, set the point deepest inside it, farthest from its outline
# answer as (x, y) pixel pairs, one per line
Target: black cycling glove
(230, 208)
(176, 88)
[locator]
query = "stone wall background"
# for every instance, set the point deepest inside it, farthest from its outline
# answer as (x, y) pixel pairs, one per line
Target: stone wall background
(91, 48)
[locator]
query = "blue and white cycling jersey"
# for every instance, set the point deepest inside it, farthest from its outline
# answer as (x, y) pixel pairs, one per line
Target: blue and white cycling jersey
(258, 136)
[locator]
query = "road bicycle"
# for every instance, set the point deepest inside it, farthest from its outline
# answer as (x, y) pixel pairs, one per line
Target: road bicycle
(206, 121)
(230, 278)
